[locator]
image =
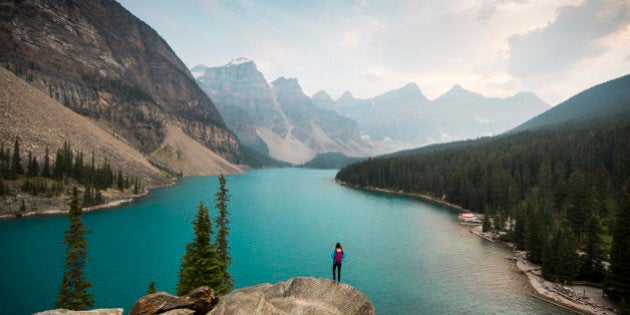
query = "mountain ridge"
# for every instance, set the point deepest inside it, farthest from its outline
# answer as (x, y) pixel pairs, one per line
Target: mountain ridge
(404, 118)
(103, 62)
(613, 94)
(276, 118)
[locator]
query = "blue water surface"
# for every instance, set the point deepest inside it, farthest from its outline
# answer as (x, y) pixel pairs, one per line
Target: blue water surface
(406, 255)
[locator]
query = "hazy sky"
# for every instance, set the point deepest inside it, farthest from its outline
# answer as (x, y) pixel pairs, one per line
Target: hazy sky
(493, 47)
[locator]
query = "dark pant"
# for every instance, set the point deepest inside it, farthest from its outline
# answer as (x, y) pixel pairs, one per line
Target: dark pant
(338, 267)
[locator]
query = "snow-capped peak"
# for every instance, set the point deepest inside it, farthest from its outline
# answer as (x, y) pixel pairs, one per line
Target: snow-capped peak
(238, 61)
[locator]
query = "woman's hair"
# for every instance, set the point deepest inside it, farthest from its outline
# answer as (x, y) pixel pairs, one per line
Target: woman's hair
(338, 245)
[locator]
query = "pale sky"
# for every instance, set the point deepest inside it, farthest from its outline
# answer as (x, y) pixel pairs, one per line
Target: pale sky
(554, 48)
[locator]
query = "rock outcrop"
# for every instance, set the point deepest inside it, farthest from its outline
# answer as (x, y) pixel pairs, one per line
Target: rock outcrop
(199, 301)
(296, 296)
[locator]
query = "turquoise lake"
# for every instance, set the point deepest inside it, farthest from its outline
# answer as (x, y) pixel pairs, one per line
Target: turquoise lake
(406, 255)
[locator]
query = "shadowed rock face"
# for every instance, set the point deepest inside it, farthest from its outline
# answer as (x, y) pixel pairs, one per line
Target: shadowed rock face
(277, 119)
(199, 301)
(296, 296)
(98, 59)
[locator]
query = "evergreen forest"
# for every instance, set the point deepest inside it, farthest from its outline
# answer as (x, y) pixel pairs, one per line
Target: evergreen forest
(556, 192)
(51, 175)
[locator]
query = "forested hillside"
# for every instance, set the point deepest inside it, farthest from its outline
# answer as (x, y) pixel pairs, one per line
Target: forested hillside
(606, 101)
(557, 191)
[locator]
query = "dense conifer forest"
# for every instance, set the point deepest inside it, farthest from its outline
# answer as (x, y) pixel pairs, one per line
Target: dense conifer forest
(556, 191)
(51, 178)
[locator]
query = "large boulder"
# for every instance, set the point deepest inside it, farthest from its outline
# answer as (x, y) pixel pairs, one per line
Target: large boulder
(199, 301)
(296, 296)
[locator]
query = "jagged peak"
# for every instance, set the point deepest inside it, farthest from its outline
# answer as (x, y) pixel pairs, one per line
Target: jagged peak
(284, 80)
(287, 84)
(458, 91)
(456, 88)
(322, 95)
(346, 96)
(239, 61)
(411, 87)
(409, 90)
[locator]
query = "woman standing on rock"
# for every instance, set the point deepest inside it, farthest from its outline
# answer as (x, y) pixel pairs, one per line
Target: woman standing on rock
(337, 256)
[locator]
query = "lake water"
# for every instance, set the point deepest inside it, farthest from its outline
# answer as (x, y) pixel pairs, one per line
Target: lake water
(407, 256)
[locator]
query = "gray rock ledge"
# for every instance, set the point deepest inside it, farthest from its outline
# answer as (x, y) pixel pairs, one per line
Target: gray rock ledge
(296, 296)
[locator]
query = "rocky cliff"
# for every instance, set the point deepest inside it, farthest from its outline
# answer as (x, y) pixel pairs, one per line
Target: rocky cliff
(277, 119)
(102, 62)
(40, 122)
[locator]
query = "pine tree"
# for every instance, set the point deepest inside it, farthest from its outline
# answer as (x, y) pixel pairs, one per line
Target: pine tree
(518, 233)
(592, 267)
(88, 196)
(221, 198)
(618, 284)
(73, 292)
(120, 182)
(151, 288)
(46, 167)
(33, 167)
(560, 259)
(4, 161)
(136, 186)
(486, 221)
(200, 265)
(16, 163)
(534, 236)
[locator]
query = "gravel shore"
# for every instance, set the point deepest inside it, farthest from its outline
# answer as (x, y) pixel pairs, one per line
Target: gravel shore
(578, 298)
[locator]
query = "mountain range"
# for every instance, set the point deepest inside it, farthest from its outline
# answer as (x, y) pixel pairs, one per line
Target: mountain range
(277, 118)
(405, 118)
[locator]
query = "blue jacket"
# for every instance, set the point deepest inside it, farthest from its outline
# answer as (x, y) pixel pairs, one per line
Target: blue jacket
(332, 255)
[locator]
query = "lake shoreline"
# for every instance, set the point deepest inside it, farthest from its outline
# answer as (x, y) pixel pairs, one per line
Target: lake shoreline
(547, 291)
(54, 212)
(413, 195)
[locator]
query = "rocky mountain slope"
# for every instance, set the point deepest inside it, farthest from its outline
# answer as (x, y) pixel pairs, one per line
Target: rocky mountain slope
(102, 62)
(41, 122)
(405, 118)
(277, 119)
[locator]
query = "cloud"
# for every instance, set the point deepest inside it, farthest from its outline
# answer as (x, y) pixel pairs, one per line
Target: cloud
(488, 7)
(575, 35)
(493, 47)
